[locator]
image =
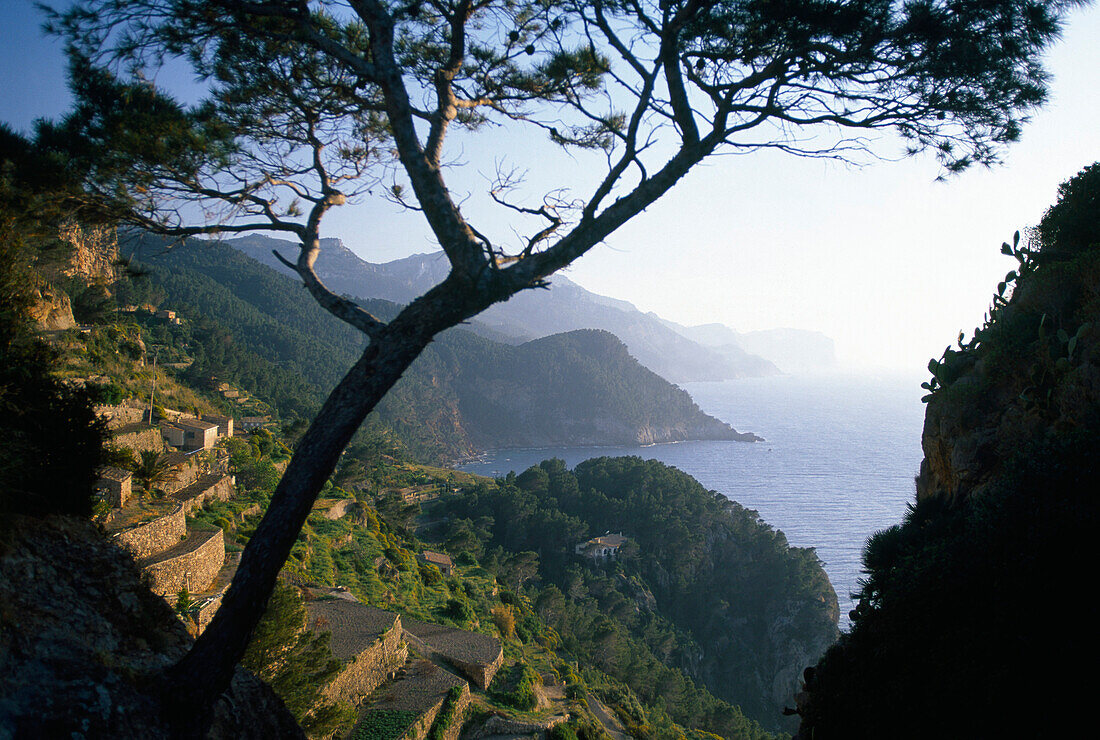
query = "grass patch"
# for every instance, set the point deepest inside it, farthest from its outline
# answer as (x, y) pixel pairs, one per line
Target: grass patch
(383, 724)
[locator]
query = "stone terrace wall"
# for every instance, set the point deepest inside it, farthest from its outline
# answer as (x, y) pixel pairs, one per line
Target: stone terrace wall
(120, 416)
(478, 656)
(185, 471)
(188, 469)
(155, 536)
(419, 729)
(480, 673)
(455, 729)
(139, 437)
(369, 669)
(502, 726)
(205, 611)
(192, 564)
(421, 688)
(207, 488)
(339, 509)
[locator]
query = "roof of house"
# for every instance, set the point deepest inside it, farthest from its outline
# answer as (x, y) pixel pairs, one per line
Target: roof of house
(605, 540)
(196, 424)
(118, 474)
(437, 558)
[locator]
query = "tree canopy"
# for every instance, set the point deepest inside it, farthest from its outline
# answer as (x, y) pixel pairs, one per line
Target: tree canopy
(311, 106)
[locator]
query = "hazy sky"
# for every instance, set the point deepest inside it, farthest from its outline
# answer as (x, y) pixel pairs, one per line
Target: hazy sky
(882, 258)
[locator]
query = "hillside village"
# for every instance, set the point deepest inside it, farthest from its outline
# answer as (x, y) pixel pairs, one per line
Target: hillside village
(390, 663)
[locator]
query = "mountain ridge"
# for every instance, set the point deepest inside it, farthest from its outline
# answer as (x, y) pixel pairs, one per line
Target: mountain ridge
(466, 393)
(566, 306)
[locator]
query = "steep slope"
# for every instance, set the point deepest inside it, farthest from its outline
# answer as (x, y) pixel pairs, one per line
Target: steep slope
(967, 624)
(464, 393)
(582, 386)
(699, 580)
(85, 642)
(527, 315)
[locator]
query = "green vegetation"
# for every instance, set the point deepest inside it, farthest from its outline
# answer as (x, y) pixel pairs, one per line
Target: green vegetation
(250, 326)
(514, 686)
(447, 714)
(373, 551)
(383, 724)
(297, 663)
(696, 582)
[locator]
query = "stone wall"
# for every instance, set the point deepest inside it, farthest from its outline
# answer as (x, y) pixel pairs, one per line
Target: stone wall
(498, 725)
(187, 469)
(120, 416)
(206, 489)
(204, 612)
(419, 729)
(477, 656)
(339, 509)
(480, 673)
(155, 536)
(192, 564)
(455, 728)
(371, 668)
(146, 438)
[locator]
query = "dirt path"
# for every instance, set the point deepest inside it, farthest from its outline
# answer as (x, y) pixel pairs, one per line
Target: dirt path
(607, 718)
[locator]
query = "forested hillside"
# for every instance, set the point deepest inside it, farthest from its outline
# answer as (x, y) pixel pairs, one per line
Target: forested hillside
(702, 584)
(261, 330)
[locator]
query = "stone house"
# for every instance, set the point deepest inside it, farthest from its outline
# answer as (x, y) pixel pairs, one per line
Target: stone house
(190, 434)
(173, 434)
(224, 423)
(604, 547)
(439, 560)
(115, 486)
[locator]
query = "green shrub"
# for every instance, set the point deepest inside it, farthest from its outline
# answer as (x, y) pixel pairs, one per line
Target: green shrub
(446, 715)
(563, 732)
(383, 724)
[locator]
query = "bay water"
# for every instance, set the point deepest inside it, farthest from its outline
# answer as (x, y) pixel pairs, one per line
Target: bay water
(837, 464)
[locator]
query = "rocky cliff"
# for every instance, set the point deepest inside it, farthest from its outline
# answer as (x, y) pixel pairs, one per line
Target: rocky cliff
(968, 623)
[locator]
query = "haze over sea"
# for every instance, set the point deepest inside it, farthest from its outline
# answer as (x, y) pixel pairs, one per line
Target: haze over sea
(837, 463)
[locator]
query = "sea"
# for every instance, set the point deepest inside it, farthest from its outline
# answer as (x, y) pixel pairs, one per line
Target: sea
(837, 463)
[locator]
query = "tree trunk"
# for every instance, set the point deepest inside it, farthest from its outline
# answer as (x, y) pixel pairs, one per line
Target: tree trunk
(194, 684)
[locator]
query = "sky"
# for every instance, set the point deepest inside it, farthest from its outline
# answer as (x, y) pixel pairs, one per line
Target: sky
(882, 258)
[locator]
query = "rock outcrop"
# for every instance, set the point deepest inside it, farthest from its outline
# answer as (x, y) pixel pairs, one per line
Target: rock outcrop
(967, 622)
(85, 642)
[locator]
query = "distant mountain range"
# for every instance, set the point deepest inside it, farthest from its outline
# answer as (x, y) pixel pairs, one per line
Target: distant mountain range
(465, 393)
(675, 352)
